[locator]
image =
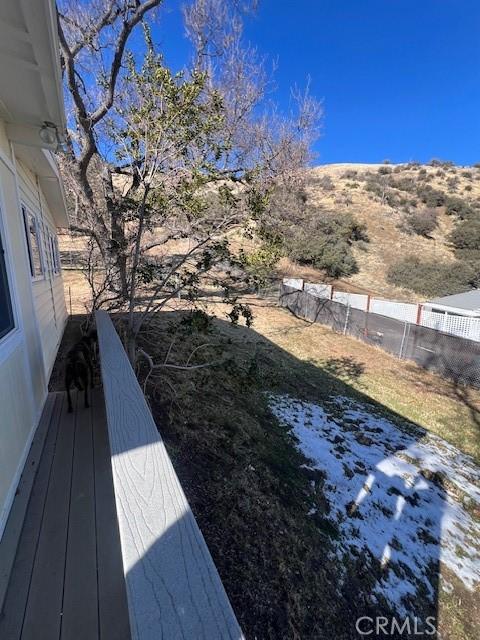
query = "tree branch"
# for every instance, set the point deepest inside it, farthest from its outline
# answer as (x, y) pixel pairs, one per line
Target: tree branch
(127, 28)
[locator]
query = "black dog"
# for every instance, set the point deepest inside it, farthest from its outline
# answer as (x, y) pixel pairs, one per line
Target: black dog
(90, 339)
(79, 368)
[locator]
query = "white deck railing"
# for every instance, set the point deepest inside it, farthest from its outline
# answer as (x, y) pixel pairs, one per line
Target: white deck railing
(173, 587)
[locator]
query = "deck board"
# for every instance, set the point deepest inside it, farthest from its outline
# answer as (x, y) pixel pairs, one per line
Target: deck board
(11, 620)
(67, 577)
(17, 514)
(44, 606)
(80, 610)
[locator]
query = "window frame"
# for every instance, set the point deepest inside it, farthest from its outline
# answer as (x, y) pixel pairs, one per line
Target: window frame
(27, 213)
(8, 290)
(53, 246)
(56, 255)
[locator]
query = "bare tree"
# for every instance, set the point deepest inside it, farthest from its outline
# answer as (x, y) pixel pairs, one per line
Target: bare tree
(161, 167)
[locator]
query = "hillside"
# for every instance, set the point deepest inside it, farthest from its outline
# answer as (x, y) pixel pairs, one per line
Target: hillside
(367, 192)
(383, 197)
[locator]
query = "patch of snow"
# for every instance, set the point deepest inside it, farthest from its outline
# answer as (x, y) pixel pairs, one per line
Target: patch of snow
(409, 493)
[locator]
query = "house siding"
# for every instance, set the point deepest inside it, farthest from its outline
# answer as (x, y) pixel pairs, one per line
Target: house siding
(48, 294)
(28, 352)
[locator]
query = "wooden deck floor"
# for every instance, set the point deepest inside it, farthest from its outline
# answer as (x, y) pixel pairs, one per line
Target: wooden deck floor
(67, 578)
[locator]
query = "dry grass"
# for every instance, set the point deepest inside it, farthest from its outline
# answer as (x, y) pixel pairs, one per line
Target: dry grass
(248, 485)
(403, 387)
(77, 292)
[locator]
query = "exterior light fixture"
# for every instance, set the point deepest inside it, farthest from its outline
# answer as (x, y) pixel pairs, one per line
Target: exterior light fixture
(48, 133)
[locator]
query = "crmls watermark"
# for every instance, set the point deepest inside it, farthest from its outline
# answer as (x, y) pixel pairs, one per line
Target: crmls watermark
(384, 627)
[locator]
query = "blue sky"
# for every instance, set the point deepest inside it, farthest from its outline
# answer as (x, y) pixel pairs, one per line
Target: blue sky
(399, 79)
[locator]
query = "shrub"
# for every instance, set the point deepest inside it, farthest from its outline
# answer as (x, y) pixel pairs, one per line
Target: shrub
(452, 183)
(423, 222)
(325, 242)
(260, 263)
(466, 235)
(468, 187)
(325, 183)
(456, 206)
(350, 174)
(405, 184)
(431, 278)
(467, 174)
(378, 184)
(431, 197)
(435, 162)
(383, 171)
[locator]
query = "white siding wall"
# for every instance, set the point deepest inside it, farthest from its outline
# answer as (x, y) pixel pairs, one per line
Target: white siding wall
(16, 425)
(48, 295)
(27, 353)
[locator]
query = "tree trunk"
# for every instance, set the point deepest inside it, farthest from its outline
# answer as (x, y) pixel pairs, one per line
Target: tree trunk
(131, 348)
(118, 239)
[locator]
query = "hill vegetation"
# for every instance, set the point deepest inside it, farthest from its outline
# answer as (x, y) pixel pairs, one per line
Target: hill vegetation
(408, 231)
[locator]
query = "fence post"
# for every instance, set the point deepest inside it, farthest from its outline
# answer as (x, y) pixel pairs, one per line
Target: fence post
(419, 313)
(400, 353)
(367, 311)
(347, 315)
(332, 288)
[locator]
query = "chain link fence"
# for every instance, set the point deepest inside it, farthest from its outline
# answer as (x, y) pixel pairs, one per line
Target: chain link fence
(451, 356)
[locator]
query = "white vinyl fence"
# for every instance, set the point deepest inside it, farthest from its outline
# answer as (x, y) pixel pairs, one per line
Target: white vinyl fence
(399, 310)
(463, 326)
(295, 283)
(318, 290)
(354, 300)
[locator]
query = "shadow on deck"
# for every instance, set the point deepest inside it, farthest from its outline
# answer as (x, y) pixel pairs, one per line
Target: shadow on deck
(67, 577)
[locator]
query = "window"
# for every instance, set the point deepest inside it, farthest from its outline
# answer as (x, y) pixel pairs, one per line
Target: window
(53, 259)
(48, 250)
(6, 313)
(54, 256)
(32, 231)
